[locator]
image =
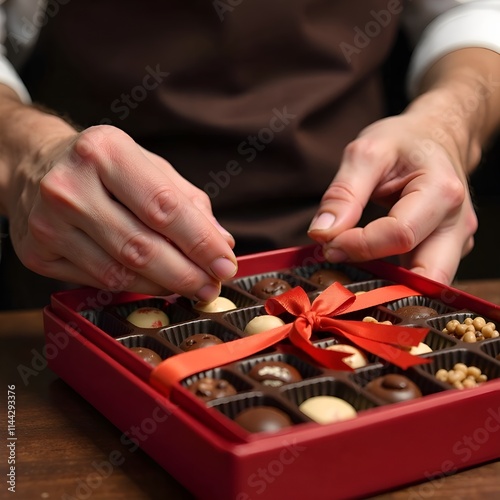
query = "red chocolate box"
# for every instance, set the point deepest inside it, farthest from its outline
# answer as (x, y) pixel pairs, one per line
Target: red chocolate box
(195, 436)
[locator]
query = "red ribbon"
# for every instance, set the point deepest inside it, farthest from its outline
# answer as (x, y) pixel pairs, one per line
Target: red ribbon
(385, 341)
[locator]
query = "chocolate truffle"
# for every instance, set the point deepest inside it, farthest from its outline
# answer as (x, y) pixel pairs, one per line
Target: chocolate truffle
(416, 313)
(262, 323)
(220, 304)
(263, 419)
(274, 373)
(148, 317)
(327, 409)
(208, 388)
(393, 388)
(199, 341)
(356, 360)
(148, 355)
(270, 287)
(326, 277)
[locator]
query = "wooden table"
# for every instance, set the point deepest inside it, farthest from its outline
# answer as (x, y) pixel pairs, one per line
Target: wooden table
(64, 445)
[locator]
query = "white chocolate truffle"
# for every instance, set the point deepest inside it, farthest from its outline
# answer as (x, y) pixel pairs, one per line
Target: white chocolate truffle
(220, 304)
(148, 317)
(262, 323)
(327, 409)
(420, 349)
(357, 358)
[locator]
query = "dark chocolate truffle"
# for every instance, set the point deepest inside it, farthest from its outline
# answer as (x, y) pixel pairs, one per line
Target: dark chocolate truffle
(416, 313)
(270, 287)
(209, 388)
(199, 341)
(147, 355)
(326, 277)
(274, 373)
(263, 419)
(393, 388)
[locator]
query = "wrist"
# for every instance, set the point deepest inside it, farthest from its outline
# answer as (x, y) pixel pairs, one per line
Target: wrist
(454, 113)
(27, 134)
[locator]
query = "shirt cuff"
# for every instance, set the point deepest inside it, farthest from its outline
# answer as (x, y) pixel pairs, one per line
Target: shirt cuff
(9, 77)
(459, 28)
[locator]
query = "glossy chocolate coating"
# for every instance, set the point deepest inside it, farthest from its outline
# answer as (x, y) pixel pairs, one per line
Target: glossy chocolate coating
(416, 313)
(326, 277)
(209, 388)
(148, 355)
(270, 287)
(263, 419)
(199, 341)
(274, 373)
(393, 388)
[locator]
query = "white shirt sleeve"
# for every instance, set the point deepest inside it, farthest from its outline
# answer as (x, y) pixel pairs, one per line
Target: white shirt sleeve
(445, 26)
(20, 22)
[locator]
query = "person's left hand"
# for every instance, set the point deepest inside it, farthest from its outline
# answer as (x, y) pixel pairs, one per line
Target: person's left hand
(414, 163)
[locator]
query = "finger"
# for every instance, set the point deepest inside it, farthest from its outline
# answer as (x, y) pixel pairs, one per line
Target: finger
(437, 257)
(424, 204)
(363, 164)
(199, 197)
(157, 201)
(75, 257)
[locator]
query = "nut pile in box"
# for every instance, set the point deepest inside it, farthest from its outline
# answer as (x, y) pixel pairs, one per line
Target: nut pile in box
(281, 386)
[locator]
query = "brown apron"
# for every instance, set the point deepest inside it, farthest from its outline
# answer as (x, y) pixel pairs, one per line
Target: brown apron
(251, 100)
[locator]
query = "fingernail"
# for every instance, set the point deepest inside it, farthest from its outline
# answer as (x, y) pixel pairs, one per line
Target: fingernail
(223, 268)
(208, 293)
(322, 222)
(335, 255)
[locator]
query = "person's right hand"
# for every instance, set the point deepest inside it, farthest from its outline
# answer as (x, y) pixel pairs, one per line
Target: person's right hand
(97, 209)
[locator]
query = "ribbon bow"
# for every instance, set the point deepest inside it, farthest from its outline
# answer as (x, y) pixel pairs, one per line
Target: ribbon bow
(385, 341)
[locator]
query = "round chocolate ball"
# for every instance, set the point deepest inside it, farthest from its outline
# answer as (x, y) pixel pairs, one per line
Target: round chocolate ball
(416, 313)
(327, 409)
(208, 388)
(274, 373)
(262, 324)
(326, 277)
(220, 304)
(148, 355)
(148, 317)
(270, 287)
(199, 341)
(393, 388)
(263, 419)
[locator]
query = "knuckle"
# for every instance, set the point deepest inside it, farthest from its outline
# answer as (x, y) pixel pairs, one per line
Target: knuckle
(138, 251)
(454, 192)
(117, 277)
(163, 208)
(406, 237)
(94, 140)
(187, 282)
(201, 244)
(42, 230)
(364, 149)
(33, 261)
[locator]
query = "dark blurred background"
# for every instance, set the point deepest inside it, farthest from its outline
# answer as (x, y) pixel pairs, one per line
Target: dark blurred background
(19, 288)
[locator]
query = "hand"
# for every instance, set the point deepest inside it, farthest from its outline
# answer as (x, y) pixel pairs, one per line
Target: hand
(97, 209)
(415, 164)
